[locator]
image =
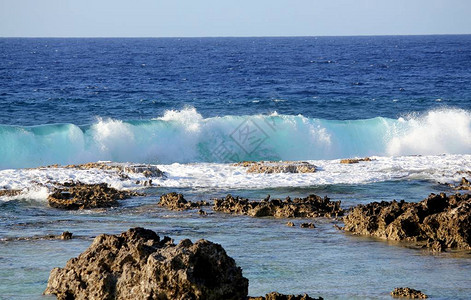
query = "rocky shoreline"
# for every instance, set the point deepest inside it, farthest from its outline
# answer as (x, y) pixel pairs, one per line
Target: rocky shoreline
(439, 221)
(138, 264)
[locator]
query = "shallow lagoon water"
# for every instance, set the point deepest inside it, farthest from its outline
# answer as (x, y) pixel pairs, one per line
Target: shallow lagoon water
(321, 262)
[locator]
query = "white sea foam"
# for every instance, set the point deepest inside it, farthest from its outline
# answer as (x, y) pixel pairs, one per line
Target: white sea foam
(438, 168)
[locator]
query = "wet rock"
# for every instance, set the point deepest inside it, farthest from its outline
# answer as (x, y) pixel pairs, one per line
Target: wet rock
(9, 193)
(66, 235)
(277, 166)
(438, 221)
(137, 264)
(278, 296)
(121, 169)
(309, 207)
(464, 184)
(354, 160)
(77, 195)
(176, 201)
(408, 293)
(308, 225)
(290, 224)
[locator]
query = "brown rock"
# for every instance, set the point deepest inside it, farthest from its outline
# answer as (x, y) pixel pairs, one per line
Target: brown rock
(308, 225)
(408, 293)
(176, 201)
(354, 160)
(277, 166)
(66, 235)
(440, 221)
(278, 296)
(464, 184)
(309, 207)
(290, 224)
(139, 265)
(85, 196)
(9, 193)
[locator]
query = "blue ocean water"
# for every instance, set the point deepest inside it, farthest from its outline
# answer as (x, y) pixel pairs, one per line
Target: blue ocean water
(357, 96)
(48, 81)
(194, 106)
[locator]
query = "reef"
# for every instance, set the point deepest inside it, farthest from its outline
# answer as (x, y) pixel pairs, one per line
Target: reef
(176, 201)
(354, 160)
(277, 166)
(77, 195)
(408, 293)
(439, 222)
(278, 296)
(308, 207)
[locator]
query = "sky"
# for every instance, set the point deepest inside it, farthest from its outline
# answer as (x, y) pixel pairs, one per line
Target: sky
(213, 18)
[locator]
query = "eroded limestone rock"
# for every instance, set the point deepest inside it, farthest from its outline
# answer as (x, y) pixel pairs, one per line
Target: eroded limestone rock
(137, 264)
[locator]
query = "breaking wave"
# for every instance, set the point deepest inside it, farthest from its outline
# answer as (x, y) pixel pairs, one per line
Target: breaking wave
(185, 136)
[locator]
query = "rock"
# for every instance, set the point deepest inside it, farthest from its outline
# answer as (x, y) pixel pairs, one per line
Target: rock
(439, 221)
(278, 296)
(290, 224)
(408, 293)
(277, 166)
(121, 169)
(66, 235)
(354, 160)
(464, 184)
(309, 207)
(308, 225)
(137, 264)
(202, 212)
(9, 193)
(176, 201)
(85, 196)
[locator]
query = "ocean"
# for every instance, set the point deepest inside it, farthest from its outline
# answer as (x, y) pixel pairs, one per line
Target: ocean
(195, 106)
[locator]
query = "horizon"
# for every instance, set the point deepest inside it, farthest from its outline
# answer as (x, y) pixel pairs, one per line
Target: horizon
(216, 37)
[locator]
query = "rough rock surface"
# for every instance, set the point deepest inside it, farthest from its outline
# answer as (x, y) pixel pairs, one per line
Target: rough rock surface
(278, 296)
(408, 293)
(354, 160)
(9, 193)
(139, 265)
(309, 207)
(176, 201)
(77, 195)
(277, 166)
(464, 184)
(440, 221)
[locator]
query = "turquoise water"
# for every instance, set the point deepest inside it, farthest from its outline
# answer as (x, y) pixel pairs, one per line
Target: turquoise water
(322, 261)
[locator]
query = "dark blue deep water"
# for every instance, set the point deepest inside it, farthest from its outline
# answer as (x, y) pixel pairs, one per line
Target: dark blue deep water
(44, 81)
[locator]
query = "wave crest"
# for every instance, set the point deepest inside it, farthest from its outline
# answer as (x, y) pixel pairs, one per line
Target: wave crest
(185, 136)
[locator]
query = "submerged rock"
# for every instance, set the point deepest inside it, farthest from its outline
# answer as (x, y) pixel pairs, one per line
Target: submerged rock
(408, 293)
(309, 207)
(277, 166)
(176, 201)
(77, 195)
(440, 221)
(307, 225)
(354, 160)
(278, 296)
(137, 264)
